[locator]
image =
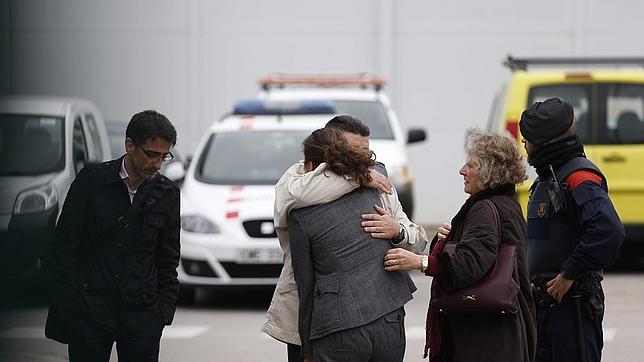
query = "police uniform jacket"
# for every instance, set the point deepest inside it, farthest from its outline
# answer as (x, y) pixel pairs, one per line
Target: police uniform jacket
(585, 236)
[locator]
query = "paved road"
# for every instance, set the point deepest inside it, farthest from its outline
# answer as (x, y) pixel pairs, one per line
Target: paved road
(224, 326)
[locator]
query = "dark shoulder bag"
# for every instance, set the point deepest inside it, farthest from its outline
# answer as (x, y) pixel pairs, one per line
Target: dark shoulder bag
(496, 293)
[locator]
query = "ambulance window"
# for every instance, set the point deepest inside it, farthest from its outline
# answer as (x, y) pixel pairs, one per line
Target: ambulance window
(578, 95)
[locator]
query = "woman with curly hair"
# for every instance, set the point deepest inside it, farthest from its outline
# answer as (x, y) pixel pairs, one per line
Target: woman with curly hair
(350, 308)
(330, 146)
(493, 167)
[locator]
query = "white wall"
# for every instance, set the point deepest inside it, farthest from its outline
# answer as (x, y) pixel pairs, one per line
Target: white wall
(191, 59)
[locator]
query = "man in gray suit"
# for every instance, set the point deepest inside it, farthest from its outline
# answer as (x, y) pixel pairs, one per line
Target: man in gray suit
(351, 309)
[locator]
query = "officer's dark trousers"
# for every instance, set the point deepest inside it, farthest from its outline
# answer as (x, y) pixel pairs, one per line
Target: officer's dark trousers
(91, 341)
(558, 333)
(382, 340)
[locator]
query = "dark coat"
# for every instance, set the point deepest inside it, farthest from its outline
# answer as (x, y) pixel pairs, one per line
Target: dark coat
(487, 337)
(111, 270)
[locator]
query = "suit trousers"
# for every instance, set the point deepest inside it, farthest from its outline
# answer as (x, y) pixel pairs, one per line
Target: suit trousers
(91, 341)
(294, 353)
(382, 340)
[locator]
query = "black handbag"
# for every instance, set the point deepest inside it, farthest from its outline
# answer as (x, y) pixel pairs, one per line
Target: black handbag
(496, 293)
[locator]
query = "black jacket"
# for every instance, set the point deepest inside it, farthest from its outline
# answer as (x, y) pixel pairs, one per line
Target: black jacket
(114, 260)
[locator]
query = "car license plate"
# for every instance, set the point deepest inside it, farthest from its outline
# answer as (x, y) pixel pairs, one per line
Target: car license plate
(260, 256)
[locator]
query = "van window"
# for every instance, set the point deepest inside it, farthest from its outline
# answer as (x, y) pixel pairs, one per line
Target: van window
(96, 137)
(622, 114)
(31, 144)
(79, 146)
(579, 95)
(372, 113)
(614, 116)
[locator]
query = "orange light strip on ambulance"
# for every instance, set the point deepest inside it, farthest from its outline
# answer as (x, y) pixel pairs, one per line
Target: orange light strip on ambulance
(579, 75)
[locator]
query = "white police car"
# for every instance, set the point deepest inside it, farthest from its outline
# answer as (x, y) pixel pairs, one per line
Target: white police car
(362, 96)
(227, 234)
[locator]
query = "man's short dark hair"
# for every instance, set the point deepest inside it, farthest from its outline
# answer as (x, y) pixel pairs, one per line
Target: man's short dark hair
(148, 125)
(349, 124)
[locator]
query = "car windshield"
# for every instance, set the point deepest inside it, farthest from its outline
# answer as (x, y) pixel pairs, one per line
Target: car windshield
(31, 144)
(371, 113)
(249, 158)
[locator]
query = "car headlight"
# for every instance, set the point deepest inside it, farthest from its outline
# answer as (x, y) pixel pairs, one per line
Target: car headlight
(37, 199)
(198, 224)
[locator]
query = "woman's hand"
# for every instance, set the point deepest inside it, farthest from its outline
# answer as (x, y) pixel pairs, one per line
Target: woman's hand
(443, 231)
(380, 182)
(401, 259)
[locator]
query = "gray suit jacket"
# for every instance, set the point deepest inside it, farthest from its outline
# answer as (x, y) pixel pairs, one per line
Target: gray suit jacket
(339, 269)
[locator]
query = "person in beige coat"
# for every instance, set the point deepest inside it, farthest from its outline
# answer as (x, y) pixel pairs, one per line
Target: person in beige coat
(297, 189)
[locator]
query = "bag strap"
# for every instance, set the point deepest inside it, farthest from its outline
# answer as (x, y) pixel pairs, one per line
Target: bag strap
(497, 218)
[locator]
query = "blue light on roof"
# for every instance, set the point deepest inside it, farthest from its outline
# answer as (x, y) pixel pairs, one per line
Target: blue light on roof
(264, 107)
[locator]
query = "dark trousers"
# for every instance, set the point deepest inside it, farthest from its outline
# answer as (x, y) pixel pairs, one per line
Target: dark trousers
(294, 353)
(91, 341)
(382, 340)
(559, 338)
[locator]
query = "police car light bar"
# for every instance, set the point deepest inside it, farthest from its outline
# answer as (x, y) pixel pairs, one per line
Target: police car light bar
(264, 107)
(282, 80)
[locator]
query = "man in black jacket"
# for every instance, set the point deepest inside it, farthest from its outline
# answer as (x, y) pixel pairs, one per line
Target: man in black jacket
(116, 249)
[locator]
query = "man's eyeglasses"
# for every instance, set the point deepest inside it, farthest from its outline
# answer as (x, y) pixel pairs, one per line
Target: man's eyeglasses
(165, 157)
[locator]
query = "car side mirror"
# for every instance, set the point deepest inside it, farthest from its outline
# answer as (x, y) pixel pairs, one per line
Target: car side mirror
(188, 161)
(175, 171)
(416, 135)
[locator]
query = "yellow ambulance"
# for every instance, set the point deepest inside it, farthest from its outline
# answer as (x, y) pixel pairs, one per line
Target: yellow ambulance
(608, 97)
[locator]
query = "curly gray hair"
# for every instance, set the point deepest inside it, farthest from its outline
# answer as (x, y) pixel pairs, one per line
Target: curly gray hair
(497, 159)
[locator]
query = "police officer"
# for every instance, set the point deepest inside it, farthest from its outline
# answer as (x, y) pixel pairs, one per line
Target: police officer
(573, 234)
